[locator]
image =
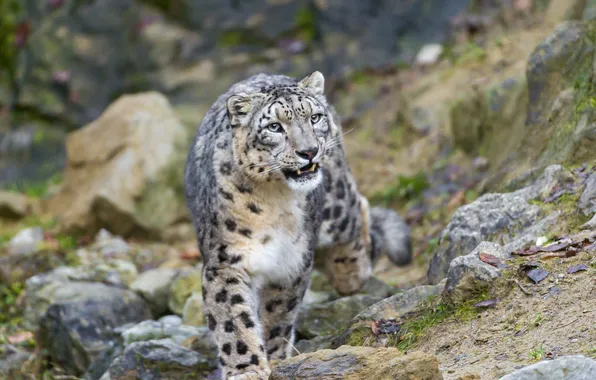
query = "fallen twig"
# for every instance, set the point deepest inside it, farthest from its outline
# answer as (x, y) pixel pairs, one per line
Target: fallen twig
(524, 290)
(565, 325)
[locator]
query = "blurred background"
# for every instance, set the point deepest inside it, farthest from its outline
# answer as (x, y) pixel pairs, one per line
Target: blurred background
(444, 100)
(65, 61)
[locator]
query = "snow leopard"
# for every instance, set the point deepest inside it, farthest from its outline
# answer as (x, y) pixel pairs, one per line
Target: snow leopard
(267, 186)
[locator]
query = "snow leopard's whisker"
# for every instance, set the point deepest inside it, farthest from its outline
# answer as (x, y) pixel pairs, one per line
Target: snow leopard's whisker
(348, 131)
(270, 169)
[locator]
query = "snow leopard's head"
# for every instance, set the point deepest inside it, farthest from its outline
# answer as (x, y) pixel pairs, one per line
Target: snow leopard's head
(282, 133)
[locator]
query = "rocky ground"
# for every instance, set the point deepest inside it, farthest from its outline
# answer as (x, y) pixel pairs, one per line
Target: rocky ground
(488, 154)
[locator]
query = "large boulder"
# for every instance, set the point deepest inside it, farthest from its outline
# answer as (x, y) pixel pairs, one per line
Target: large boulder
(576, 367)
(508, 218)
(353, 363)
(78, 326)
(492, 216)
(560, 120)
(125, 170)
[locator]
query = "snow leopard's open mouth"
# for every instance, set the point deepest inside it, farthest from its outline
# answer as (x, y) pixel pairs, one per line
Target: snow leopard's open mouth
(307, 171)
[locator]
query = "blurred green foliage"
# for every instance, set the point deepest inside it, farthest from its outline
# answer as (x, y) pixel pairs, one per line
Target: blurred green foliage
(9, 295)
(10, 14)
(306, 24)
(404, 188)
(35, 189)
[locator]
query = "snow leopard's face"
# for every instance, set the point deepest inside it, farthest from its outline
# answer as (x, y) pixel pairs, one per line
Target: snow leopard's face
(283, 133)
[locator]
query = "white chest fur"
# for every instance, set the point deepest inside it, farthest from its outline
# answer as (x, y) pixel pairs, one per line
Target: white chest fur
(280, 245)
(280, 259)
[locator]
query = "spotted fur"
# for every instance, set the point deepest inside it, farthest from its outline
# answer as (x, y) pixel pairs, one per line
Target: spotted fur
(259, 222)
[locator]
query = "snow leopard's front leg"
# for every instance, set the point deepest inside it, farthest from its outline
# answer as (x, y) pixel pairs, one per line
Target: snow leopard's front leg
(280, 305)
(231, 306)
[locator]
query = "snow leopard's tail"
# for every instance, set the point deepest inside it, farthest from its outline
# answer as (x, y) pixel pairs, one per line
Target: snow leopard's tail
(390, 235)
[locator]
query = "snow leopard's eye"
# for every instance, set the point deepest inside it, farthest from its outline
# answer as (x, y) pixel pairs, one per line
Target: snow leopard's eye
(275, 127)
(316, 118)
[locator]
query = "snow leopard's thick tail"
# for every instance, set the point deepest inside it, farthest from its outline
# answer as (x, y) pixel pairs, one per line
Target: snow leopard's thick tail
(390, 235)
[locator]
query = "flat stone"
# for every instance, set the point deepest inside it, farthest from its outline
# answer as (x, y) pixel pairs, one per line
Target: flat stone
(400, 304)
(353, 363)
(574, 367)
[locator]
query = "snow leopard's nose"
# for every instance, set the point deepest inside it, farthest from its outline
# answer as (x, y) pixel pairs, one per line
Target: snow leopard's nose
(308, 154)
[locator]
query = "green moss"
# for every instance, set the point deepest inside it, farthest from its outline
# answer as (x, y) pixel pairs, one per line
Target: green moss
(306, 24)
(537, 353)
(10, 312)
(414, 326)
(361, 336)
(403, 189)
(35, 189)
(437, 312)
(465, 54)
(571, 218)
(236, 37)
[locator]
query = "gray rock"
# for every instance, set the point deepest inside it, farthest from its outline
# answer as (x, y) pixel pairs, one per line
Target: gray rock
(349, 362)
(490, 217)
(305, 346)
(312, 296)
(160, 359)
(590, 223)
(377, 288)
(26, 241)
(20, 267)
(530, 234)
(505, 218)
(159, 330)
(171, 320)
(575, 367)
(401, 303)
(154, 286)
(542, 187)
(587, 201)
(110, 245)
(11, 361)
(327, 318)
(78, 326)
(468, 274)
(13, 205)
(43, 289)
(322, 287)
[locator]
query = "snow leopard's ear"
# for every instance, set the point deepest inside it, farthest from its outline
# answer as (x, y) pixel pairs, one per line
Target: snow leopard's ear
(241, 106)
(314, 82)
